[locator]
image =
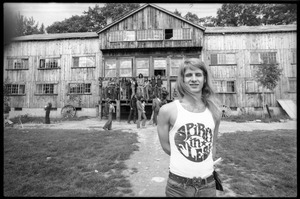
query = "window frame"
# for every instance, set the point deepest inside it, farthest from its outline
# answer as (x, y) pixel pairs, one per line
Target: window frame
(55, 89)
(220, 57)
(81, 57)
(294, 79)
(12, 61)
(47, 60)
(121, 69)
(110, 69)
(224, 86)
(138, 69)
(18, 85)
(80, 85)
(122, 36)
(261, 55)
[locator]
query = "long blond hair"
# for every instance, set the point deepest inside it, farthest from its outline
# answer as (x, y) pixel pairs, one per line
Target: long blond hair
(208, 95)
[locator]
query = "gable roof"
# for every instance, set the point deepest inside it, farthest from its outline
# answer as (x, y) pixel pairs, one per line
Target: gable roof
(154, 6)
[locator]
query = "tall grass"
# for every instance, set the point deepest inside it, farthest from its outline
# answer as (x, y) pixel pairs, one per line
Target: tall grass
(66, 162)
(259, 163)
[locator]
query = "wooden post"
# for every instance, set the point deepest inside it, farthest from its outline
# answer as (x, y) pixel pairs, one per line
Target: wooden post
(118, 110)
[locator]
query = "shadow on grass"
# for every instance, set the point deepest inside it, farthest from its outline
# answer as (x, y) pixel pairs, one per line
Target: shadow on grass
(66, 162)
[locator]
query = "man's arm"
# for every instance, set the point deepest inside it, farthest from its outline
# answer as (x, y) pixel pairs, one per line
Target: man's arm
(216, 131)
(163, 125)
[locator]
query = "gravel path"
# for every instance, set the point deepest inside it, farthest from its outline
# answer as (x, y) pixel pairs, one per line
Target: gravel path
(148, 167)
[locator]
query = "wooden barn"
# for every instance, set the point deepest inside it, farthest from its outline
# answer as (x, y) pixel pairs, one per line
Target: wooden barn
(145, 47)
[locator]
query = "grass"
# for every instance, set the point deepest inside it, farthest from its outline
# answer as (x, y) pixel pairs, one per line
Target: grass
(246, 118)
(62, 163)
(259, 163)
(33, 119)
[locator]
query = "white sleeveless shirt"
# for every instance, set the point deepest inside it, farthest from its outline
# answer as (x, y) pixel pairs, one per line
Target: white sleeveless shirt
(191, 140)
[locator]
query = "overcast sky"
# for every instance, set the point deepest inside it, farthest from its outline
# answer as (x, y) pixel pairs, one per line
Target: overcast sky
(48, 13)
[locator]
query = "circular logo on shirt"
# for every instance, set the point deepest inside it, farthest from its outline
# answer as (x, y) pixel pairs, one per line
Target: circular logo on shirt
(194, 141)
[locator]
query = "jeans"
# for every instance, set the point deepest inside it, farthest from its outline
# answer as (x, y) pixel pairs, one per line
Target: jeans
(175, 189)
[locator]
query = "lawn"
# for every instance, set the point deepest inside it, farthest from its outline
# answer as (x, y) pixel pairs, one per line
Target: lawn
(62, 163)
(259, 163)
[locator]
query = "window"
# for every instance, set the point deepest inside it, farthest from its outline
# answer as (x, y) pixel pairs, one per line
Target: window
(149, 35)
(292, 70)
(168, 33)
(142, 66)
(49, 63)
(15, 89)
(292, 85)
(223, 86)
(222, 72)
(18, 63)
(174, 66)
(255, 87)
(160, 66)
(116, 36)
(85, 61)
(79, 88)
(110, 68)
(46, 89)
(219, 59)
(263, 57)
(125, 67)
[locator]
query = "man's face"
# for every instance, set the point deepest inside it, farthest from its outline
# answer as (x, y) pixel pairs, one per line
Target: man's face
(194, 79)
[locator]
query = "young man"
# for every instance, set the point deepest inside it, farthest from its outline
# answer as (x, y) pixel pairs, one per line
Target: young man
(141, 112)
(156, 104)
(111, 110)
(187, 130)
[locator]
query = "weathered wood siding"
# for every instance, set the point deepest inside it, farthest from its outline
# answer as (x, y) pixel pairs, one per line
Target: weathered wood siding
(65, 50)
(242, 44)
(151, 18)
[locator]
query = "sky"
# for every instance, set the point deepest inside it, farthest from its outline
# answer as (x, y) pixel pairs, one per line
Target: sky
(48, 13)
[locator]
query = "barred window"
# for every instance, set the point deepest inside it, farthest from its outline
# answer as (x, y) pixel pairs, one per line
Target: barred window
(223, 86)
(18, 63)
(15, 89)
(178, 34)
(87, 61)
(80, 88)
(50, 63)
(263, 57)
(294, 56)
(149, 35)
(46, 89)
(219, 59)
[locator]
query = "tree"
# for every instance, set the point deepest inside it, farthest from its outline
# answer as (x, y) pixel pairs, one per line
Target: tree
(94, 19)
(208, 21)
(176, 12)
(233, 14)
(192, 17)
(74, 24)
(268, 76)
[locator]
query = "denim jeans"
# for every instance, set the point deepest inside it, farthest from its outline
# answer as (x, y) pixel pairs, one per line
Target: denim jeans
(175, 189)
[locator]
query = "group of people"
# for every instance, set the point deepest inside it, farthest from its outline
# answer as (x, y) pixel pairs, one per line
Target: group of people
(125, 88)
(138, 113)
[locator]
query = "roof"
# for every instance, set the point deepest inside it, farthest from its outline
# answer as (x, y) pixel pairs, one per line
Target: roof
(40, 37)
(251, 29)
(154, 6)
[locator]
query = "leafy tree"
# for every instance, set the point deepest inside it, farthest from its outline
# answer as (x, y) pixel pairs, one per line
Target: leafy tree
(279, 14)
(268, 76)
(176, 12)
(208, 21)
(233, 14)
(74, 24)
(93, 19)
(192, 17)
